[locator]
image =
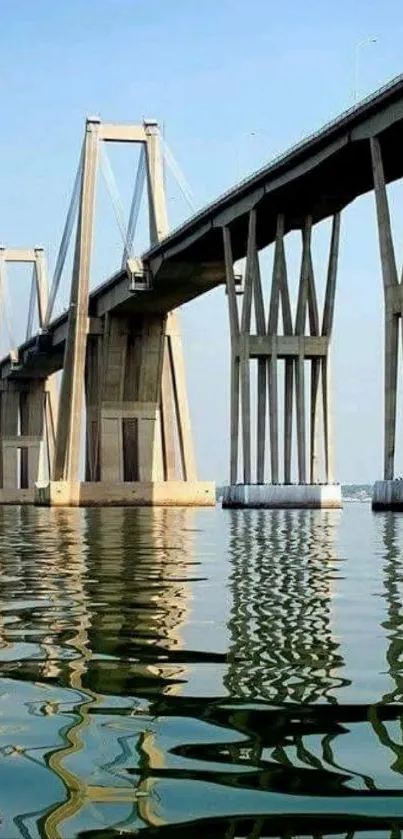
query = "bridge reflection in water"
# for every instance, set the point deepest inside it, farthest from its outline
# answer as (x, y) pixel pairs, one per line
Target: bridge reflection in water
(94, 611)
(136, 585)
(283, 568)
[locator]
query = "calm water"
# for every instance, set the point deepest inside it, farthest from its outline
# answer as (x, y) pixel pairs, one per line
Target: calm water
(179, 673)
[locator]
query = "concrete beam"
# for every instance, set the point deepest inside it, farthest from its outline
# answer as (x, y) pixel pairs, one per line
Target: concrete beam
(21, 441)
(115, 133)
(288, 346)
(19, 254)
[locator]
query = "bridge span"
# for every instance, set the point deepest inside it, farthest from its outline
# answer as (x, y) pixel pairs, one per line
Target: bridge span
(123, 339)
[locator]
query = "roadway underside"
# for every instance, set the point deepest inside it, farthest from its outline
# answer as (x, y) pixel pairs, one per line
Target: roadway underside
(43, 355)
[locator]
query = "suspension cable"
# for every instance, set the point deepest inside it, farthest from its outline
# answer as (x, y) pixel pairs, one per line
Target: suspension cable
(65, 241)
(178, 175)
(135, 206)
(31, 309)
(114, 193)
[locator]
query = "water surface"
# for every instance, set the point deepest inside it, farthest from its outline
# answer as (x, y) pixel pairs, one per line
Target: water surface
(176, 673)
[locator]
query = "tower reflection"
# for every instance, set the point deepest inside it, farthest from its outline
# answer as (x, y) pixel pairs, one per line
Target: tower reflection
(104, 598)
(137, 570)
(135, 579)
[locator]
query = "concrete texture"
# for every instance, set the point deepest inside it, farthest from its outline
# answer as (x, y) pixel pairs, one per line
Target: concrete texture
(16, 497)
(283, 496)
(103, 494)
(387, 495)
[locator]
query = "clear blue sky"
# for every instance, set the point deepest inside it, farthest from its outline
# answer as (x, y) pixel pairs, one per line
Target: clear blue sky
(235, 82)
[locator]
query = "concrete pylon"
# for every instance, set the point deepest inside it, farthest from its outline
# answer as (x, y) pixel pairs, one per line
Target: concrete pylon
(388, 493)
(28, 407)
(173, 398)
(139, 447)
(295, 344)
(68, 437)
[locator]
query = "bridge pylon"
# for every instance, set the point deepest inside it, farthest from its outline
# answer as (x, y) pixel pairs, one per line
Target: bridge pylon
(123, 364)
(122, 367)
(28, 405)
(283, 348)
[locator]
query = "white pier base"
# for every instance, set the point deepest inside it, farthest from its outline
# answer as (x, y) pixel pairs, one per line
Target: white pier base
(283, 496)
(388, 495)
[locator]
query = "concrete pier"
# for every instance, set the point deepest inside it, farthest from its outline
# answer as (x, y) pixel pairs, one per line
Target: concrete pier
(290, 347)
(283, 496)
(387, 495)
(128, 494)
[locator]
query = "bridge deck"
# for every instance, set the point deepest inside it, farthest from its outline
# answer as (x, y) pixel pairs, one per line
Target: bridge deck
(318, 176)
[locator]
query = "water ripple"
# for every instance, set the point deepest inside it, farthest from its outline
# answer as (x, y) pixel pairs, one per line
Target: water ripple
(179, 672)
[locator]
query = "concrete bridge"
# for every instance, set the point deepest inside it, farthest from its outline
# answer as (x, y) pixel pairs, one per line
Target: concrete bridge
(119, 347)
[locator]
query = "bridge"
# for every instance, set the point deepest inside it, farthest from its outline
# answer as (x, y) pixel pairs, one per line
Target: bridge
(118, 353)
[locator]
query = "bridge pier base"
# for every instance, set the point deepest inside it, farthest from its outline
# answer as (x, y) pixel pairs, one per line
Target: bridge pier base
(129, 494)
(283, 497)
(388, 495)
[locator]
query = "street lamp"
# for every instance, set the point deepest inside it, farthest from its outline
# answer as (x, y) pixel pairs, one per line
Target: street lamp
(356, 59)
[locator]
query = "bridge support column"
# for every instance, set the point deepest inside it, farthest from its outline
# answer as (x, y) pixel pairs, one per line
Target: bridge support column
(138, 443)
(138, 438)
(288, 351)
(27, 406)
(139, 447)
(9, 433)
(68, 438)
(32, 404)
(21, 438)
(388, 493)
(123, 386)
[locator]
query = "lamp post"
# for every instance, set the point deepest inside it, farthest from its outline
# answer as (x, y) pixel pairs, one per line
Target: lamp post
(358, 47)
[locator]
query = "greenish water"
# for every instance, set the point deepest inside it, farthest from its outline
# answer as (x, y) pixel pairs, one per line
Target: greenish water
(182, 673)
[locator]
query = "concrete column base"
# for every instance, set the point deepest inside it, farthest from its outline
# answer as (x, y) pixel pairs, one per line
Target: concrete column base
(108, 494)
(283, 496)
(387, 495)
(16, 497)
